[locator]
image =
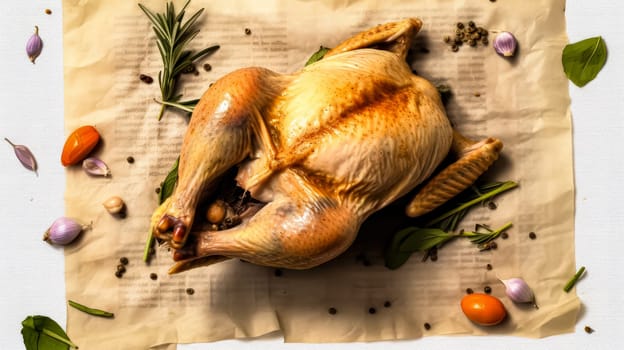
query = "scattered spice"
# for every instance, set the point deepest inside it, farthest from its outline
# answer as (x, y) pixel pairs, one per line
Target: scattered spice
(427, 326)
(34, 46)
(488, 266)
(469, 34)
(487, 289)
(121, 268)
(190, 291)
(207, 67)
(118, 274)
(469, 291)
(123, 260)
(146, 78)
(372, 310)
(532, 235)
(332, 311)
(153, 276)
(589, 330)
(130, 159)
(48, 11)
(247, 31)
(387, 303)
(24, 155)
(568, 287)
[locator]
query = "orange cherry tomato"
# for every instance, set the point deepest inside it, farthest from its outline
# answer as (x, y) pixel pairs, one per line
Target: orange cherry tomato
(483, 309)
(79, 144)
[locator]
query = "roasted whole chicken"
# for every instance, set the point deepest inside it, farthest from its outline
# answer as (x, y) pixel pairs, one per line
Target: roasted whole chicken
(321, 149)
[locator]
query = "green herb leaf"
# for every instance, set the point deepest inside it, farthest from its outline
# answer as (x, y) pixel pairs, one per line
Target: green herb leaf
(394, 257)
(318, 55)
(584, 59)
(421, 239)
(169, 183)
(172, 37)
(166, 190)
(90, 311)
(43, 333)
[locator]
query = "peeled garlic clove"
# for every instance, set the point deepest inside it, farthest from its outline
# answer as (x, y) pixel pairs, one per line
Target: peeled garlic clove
(63, 231)
(114, 205)
(96, 167)
(505, 44)
(519, 291)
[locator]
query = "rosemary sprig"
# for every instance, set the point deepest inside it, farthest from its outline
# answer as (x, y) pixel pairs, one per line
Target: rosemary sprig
(481, 194)
(172, 37)
(439, 230)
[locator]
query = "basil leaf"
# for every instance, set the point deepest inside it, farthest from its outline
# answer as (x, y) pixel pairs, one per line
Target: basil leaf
(394, 257)
(168, 185)
(317, 55)
(584, 59)
(43, 333)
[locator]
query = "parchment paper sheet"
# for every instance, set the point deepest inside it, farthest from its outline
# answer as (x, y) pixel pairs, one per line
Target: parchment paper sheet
(523, 101)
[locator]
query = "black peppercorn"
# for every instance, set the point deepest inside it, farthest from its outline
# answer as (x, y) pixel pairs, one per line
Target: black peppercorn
(207, 67)
(247, 31)
(487, 289)
(488, 266)
(190, 291)
(372, 310)
(123, 260)
(589, 330)
(532, 235)
(332, 311)
(130, 159)
(504, 235)
(469, 291)
(427, 326)
(387, 304)
(121, 268)
(277, 272)
(118, 274)
(153, 276)
(146, 78)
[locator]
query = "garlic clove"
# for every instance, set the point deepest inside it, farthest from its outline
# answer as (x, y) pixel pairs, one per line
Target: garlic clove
(63, 231)
(96, 167)
(34, 46)
(505, 44)
(114, 205)
(519, 291)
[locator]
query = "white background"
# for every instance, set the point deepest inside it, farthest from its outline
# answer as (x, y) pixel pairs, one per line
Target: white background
(32, 277)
